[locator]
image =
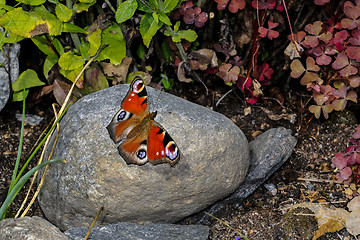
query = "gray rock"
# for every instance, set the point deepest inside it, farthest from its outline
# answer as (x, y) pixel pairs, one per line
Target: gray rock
(268, 152)
(129, 231)
(13, 52)
(214, 161)
(29, 228)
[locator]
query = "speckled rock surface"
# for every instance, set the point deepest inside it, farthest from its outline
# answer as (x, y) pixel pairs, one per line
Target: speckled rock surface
(29, 228)
(214, 161)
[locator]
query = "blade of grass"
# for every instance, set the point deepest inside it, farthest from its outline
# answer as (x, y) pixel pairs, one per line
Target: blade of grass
(10, 197)
(13, 182)
(40, 144)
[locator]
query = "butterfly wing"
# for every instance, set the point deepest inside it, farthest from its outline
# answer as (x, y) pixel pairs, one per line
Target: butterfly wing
(133, 108)
(161, 147)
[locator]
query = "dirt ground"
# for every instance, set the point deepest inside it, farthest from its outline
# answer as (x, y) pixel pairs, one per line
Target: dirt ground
(307, 176)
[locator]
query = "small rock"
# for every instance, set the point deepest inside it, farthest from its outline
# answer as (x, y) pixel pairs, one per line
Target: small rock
(214, 161)
(29, 228)
(5, 87)
(126, 231)
(30, 119)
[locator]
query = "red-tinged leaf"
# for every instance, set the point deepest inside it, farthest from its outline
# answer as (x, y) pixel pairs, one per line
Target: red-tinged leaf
(298, 37)
(348, 23)
(221, 4)
(326, 37)
(354, 81)
(341, 92)
(309, 77)
(326, 109)
(340, 62)
(320, 98)
(321, 2)
(356, 135)
(339, 104)
(297, 69)
(272, 25)
(339, 161)
(314, 29)
(201, 19)
(353, 53)
(351, 10)
(352, 96)
(236, 5)
(263, 31)
(311, 66)
(244, 83)
(229, 73)
(351, 160)
(345, 173)
(355, 40)
(323, 60)
(340, 37)
(348, 71)
(272, 34)
(312, 41)
(316, 110)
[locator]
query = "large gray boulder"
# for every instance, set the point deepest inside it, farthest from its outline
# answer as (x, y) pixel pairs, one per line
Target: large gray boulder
(29, 228)
(214, 161)
(133, 231)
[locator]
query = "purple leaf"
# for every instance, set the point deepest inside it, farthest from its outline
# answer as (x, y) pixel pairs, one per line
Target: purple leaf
(236, 5)
(339, 161)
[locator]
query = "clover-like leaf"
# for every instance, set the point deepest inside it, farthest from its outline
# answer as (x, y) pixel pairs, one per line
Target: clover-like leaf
(355, 40)
(297, 69)
(354, 81)
(352, 96)
(263, 4)
(321, 2)
(268, 32)
(228, 72)
(316, 110)
(221, 4)
(236, 5)
(340, 62)
(339, 161)
(353, 52)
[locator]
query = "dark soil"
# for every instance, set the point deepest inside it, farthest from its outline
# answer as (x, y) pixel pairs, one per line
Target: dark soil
(306, 176)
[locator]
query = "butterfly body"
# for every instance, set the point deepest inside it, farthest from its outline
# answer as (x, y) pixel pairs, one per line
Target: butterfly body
(141, 139)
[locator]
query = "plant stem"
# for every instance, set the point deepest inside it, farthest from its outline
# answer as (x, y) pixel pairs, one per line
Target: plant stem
(13, 182)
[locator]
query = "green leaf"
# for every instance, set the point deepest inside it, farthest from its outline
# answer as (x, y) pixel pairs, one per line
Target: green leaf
(57, 45)
(126, 10)
(20, 95)
(70, 61)
(84, 49)
(170, 5)
(51, 25)
(72, 74)
(165, 19)
(156, 17)
(189, 35)
(10, 38)
(149, 7)
(62, 12)
(43, 44)
(140, 52)
(116, 49)
(95, 42)
(32, 2)
(176, 27)
(27, 79)
(148, 28)
(165, 50)
(49, 62)
(95, 80)
(79, 7)
(71, 28)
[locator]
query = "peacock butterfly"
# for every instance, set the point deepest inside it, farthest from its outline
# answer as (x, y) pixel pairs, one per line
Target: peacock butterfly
(140, 138)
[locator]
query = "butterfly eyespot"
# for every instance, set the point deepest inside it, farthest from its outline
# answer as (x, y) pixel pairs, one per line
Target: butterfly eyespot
(123, 115)
(141, 154)
(171, 150)
(138, 85)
